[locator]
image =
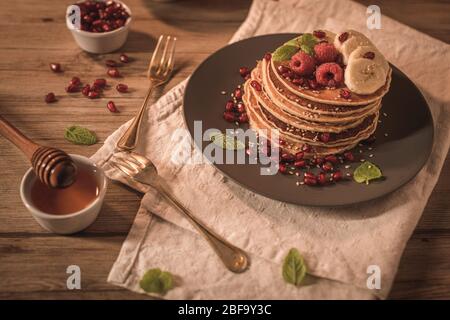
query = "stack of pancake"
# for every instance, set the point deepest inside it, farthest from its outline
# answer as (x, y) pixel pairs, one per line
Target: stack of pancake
(317, 121)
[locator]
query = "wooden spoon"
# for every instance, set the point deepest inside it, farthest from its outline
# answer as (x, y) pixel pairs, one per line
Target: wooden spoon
(54, 167)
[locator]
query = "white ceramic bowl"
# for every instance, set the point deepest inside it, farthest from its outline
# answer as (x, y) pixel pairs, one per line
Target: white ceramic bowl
(67, 223)
(102, 42)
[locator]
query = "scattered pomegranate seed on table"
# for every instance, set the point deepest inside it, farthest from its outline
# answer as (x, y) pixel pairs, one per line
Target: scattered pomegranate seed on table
(112, 107)
(55, 67)
(122, 88)
(101, 83)
(75, 81)
(50, 97)
(71, 88)
(322, 178)
(268, 56)
(93, 94)
(124, 58)
(319, 34)
(243, 118)
(86, 89)
(113, 72)
(229, 106)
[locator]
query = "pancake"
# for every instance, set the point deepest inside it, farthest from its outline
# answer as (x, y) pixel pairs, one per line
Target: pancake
(343, 138)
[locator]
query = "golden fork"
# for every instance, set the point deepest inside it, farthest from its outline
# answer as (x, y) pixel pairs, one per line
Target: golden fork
(159, 70)
(142, 170)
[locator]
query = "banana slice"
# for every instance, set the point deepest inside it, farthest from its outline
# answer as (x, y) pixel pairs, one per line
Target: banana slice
(355, 39)
(365, 75)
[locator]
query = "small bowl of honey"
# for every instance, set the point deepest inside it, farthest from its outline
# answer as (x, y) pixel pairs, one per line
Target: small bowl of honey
(68, 210)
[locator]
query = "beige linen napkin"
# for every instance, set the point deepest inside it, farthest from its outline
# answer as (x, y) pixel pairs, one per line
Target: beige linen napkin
(337, 243)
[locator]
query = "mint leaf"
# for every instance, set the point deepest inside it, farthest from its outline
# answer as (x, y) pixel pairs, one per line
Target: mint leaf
(80, 135)
(366, 171)
(306, 49)
(285, 52)
(294, 268)
(226, 142)
(156, 281)
(307, 42)
(293, 42)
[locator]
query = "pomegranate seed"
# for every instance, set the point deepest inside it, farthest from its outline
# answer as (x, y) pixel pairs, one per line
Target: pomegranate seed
(299, 155)
(113, 72)
(243, 118)
(282, 168)
(268, 56)
(75, 81)
(123, 57)
(281, 142)
(299, 81)
(336, 176)
(322, 178)
(229, 106)
(244, 71)
(106, 27)
(255, 84)
(319, 161)
(93, 94)
(229, 116)
(313, 84)
(282, 69)
(72, 88)
(327, 167)
(240, 107)
(331, 158)
(325, 137)
(55, 67)
(319, 34)
(111, 63)
(122, 87)
(344, 93)
(50, 97)
(343, 37)
(111, 106)
(306, 148)
(369, 55)
(309, 175)
(300, 163)
(100, 83)
(349, 156)
(287, 157)
(238, 93)
(310, 181)
(86, 89)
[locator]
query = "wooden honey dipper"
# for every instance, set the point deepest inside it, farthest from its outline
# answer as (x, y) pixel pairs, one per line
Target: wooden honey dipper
(54, 167)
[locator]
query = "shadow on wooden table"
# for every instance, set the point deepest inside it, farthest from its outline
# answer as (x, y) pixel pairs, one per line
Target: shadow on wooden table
(197, 12)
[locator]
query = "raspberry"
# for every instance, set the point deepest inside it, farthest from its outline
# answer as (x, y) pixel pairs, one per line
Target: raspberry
(325, 52)
(329, 74)
(302, 64)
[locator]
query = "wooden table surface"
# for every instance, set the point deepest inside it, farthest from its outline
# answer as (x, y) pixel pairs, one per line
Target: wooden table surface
(33, 262)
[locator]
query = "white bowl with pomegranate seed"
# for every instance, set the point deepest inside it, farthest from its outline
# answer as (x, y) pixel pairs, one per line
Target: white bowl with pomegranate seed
(99, 35)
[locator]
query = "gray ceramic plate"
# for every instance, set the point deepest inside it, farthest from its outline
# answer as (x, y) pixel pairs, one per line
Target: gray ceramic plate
(400, 154)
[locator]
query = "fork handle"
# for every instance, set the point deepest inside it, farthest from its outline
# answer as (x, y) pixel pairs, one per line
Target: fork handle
(129, 139)
(235, 259)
